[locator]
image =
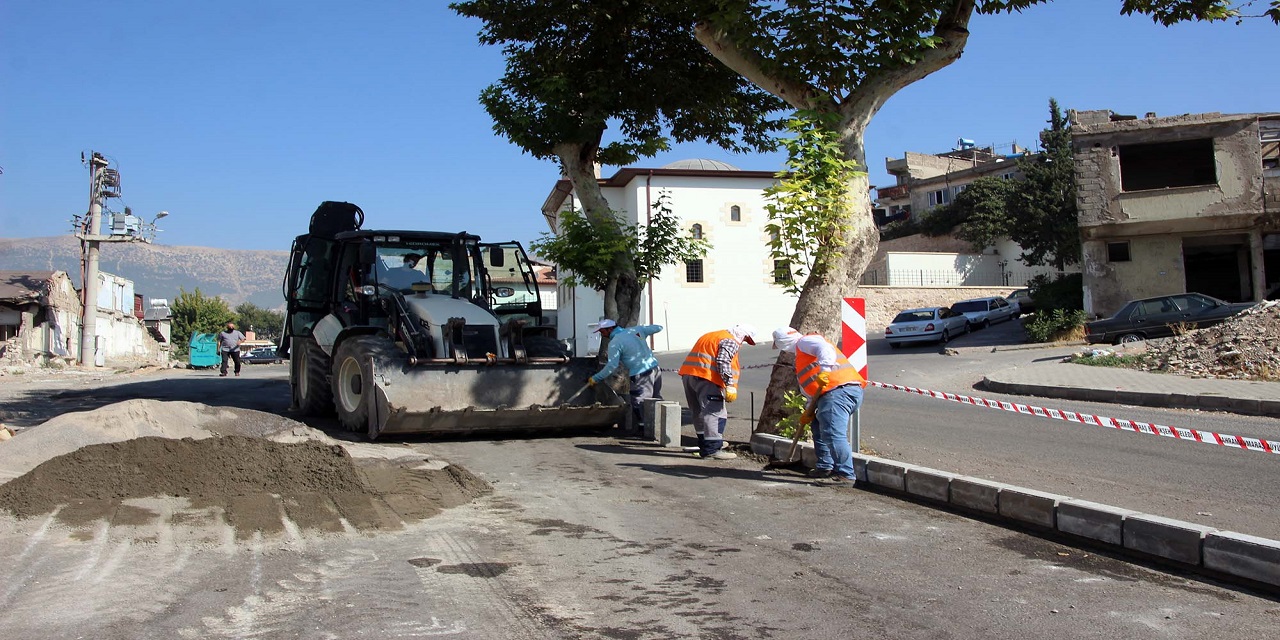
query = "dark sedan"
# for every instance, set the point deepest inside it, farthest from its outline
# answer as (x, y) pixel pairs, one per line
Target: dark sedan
(262, 355)
(1161, 317)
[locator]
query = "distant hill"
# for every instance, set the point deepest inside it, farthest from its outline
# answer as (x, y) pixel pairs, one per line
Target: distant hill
(160, 271)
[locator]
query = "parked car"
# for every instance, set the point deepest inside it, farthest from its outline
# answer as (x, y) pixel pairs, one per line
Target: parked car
(1022, 301)
(261, 355)
(929, 324)
(1160, 317)
(984, 312)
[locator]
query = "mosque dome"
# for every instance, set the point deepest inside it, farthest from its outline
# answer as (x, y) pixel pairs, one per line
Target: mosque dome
(702, 164)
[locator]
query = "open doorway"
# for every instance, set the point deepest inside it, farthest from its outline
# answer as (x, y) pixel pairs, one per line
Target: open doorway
(1218, 266)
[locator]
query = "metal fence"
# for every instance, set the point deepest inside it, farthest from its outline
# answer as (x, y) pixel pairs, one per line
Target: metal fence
(947, 278)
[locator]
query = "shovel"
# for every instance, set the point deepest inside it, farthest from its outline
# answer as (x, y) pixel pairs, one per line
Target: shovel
(800, 429)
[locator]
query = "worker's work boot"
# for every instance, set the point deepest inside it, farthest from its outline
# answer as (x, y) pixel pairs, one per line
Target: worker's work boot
(721, 455)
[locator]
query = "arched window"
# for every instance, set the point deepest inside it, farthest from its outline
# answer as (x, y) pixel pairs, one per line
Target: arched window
(696, 231)
(735, 213)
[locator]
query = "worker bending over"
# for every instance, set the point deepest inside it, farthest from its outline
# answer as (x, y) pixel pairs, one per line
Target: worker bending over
(710, 375)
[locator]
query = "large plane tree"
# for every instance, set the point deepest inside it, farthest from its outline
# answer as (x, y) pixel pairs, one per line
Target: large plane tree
(591, 83)
(841, 60)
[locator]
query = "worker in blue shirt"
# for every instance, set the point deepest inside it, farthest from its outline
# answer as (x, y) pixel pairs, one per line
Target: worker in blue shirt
(627, 347)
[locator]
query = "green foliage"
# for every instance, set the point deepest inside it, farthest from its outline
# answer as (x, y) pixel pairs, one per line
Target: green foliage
(1047, 326)
(809, 205)
(793, 402)
(587, 251)
(193, 313)
(1065, 292)
(577, 69)
(1042, 210)
(900, 229)
(265, 323)
(977, 215)
(1130, 360)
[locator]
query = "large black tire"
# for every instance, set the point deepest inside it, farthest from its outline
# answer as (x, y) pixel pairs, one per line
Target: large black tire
(311, 392)
(349, 397)
(544, 347)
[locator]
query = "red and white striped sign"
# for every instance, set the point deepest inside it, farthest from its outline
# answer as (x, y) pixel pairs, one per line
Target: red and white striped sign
(1177, 433)
(853, 333)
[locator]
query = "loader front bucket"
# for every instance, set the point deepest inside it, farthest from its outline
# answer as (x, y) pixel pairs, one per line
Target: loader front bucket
(449, 398)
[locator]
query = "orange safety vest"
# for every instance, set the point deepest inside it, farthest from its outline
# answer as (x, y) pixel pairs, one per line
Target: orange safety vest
(807, 370)
(701, 361)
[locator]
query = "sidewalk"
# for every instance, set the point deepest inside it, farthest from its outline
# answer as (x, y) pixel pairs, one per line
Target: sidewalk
(1053, 379)
(1050, 378)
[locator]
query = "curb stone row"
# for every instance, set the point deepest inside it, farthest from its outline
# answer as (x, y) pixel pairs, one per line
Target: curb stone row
(1252, 560)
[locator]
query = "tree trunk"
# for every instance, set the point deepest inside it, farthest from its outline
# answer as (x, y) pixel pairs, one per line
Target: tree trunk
(623, 290)
(818, 308)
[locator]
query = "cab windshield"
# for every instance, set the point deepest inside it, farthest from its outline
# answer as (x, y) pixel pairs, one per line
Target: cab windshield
(444, 268)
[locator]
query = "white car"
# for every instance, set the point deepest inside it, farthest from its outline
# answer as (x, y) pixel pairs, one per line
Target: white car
(984, 312)
(928, 324)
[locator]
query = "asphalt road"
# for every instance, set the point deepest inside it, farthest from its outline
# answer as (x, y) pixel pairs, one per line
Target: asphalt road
(1215, 486)
(595, 537)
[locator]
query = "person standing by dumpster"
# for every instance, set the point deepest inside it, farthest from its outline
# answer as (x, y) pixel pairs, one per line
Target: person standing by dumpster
(825, 374)
(627, 347)
(229, 346)
(710, 376)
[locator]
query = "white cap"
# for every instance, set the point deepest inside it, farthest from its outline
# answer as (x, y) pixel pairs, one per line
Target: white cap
(785, 339)
(744, 331)
(606, 324)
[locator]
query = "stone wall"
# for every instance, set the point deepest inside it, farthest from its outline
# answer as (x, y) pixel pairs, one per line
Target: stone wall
(883, 303)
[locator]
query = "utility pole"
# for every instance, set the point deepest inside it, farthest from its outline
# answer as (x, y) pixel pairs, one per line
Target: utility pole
(104, 183)
(92, 238)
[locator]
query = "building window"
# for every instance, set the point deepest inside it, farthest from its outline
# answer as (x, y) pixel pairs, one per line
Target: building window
(939, 197)
(1118, 251)
(781, 271)
(1269, 138)
(693, 271)
(1006, 176)
(735, 213)
(1164, 165)
(955, 191)
(696, 231)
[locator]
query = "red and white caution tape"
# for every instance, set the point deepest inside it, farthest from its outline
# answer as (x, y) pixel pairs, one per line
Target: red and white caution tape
(1178, 433)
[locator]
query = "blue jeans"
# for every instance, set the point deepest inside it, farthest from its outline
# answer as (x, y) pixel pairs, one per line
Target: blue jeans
(831, 429)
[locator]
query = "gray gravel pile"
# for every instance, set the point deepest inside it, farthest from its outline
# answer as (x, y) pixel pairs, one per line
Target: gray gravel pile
(1245, 347)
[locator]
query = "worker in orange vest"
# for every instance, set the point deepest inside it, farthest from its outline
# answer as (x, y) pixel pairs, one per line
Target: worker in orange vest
(824, 373)
(710, 375)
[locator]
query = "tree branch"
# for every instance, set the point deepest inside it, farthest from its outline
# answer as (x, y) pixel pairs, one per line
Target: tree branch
(747, 64)
(863, 103)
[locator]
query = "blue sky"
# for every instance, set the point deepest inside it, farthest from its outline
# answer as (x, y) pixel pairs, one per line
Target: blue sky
(240, 117)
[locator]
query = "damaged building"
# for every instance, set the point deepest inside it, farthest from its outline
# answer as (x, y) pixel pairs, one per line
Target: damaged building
(1177, 204)
(39, 316)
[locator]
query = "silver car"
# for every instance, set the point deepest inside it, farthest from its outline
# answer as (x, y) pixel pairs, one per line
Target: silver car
(984, 312)
(927, 324)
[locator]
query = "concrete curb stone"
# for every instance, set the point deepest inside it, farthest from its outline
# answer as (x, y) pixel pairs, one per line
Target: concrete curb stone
(977, 494)
(929, 484)
(1029, 506)
(1226, 553)
(1165, 537)
(1093, 520)
(1243, 555)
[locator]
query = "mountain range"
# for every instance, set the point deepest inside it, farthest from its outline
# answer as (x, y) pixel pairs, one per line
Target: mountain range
(161, 271)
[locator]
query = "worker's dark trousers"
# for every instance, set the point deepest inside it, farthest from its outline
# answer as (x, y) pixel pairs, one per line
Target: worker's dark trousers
(233, 354)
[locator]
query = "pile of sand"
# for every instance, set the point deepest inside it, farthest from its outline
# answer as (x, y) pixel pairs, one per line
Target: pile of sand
(1243, 347)
(245, 469)
(139, 419)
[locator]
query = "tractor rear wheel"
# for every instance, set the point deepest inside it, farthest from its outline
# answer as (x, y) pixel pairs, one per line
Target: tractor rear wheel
(310, 377)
